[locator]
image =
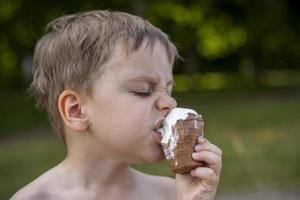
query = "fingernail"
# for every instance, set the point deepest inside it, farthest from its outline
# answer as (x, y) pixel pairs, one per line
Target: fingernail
(193, 172)
(194, 155)
(201, 140)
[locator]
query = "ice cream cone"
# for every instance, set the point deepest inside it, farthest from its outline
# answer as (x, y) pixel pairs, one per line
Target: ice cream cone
(181, 144)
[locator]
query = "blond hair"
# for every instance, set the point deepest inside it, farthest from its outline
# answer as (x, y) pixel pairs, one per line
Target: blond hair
(72, 52)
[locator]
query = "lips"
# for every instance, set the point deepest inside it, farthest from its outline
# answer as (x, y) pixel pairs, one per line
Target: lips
(157, 137)
(156, 133)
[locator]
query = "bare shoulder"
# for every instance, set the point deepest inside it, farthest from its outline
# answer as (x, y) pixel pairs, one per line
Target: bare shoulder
(38, 189)
(160, 187)
(30, 192)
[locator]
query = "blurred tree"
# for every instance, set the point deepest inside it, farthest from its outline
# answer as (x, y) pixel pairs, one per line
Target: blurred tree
(213, 35)
(272, 38)
(257, 35)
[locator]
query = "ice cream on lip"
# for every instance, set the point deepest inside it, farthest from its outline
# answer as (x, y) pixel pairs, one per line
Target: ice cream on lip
(166, 131)
(173, 116)
(179, 133)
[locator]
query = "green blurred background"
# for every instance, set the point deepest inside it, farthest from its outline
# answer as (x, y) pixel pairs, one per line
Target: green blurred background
(241, 69)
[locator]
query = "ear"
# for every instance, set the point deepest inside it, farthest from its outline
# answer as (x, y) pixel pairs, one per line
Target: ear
(72, 111)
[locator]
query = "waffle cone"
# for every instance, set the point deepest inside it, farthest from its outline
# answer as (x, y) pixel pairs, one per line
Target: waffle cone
(187, 131)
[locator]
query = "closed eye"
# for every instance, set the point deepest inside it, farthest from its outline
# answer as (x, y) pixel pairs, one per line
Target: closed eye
(142, 94)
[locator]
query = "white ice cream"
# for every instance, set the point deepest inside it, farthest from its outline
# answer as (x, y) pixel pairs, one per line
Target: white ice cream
(166, 131)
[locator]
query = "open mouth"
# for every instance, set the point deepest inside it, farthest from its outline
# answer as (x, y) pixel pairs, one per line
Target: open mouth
(157, 136)
(156, 131)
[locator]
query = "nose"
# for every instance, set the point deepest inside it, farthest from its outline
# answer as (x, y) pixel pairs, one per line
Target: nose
(165, 103)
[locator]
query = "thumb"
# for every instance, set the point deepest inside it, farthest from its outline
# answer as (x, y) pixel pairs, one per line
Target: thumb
(183, 178)
(183, 181)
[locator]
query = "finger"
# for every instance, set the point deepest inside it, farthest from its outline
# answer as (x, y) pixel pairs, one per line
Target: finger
(201, 140)
(208, 147)
(207, 175)
(213, 160)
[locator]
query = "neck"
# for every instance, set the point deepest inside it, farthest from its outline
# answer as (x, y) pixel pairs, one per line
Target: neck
(97, 171)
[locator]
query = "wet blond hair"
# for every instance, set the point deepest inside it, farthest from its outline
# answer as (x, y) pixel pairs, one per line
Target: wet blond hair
(72, 52)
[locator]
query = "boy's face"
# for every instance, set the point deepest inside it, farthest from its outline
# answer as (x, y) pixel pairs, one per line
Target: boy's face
(129, 102)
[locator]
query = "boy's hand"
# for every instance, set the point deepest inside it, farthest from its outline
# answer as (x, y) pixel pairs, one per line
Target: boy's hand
(202, 182)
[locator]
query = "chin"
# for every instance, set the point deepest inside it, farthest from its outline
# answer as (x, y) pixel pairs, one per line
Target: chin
(147, 159)
(156, 156)
(159, 159)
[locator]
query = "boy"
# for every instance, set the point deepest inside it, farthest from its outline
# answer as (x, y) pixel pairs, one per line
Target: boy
(105, 79)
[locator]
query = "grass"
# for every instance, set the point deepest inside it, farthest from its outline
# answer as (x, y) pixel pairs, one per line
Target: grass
(257, 130)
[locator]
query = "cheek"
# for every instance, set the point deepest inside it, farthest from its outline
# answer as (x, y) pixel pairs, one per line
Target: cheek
(122, 133)
(131, 119)
(115, 119)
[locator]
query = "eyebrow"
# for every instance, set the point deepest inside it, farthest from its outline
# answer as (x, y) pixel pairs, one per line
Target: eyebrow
(149, 79)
